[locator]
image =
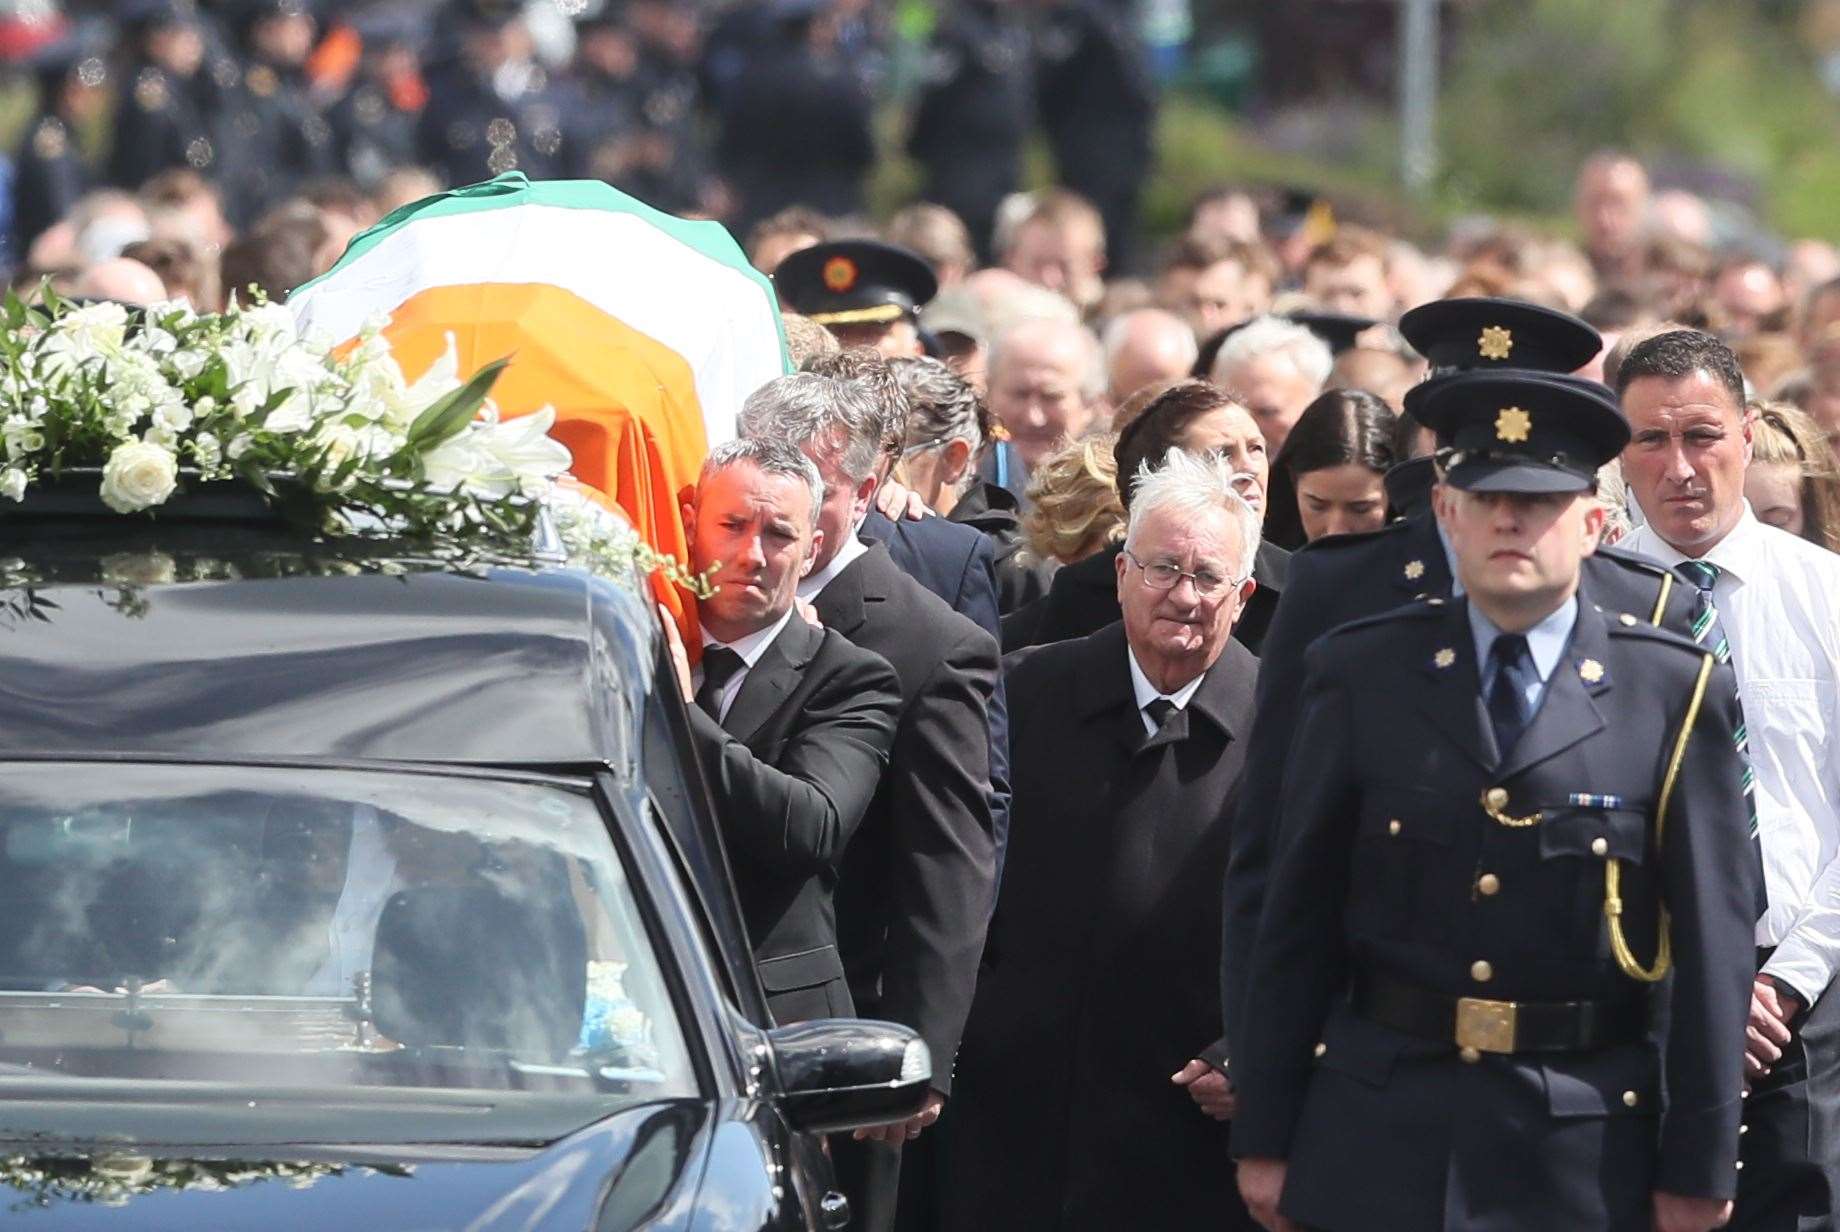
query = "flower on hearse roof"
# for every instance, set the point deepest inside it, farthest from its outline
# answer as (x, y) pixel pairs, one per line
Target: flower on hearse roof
(159, 397)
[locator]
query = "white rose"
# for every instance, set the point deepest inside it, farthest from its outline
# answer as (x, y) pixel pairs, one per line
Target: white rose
(13, 483)
(138, 476)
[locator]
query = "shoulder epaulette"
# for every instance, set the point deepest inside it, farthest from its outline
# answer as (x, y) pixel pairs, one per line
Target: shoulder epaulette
(1423, 608)
(1336, 543)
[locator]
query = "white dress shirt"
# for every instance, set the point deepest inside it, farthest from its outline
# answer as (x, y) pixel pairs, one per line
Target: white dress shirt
(351, 935)
(852, 548)
(750, 648)
(1147, 692)
(1778, 599)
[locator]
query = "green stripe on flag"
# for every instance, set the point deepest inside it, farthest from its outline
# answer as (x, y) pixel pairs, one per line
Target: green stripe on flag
(708, 239)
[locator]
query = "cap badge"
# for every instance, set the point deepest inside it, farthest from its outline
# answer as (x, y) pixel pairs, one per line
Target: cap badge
(1590, 671)
(1495, 343)
(839, 274)
(1513, 425)
(1414, 570)
(1444, 657)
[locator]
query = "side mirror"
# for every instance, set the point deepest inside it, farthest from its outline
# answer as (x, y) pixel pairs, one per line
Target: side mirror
(845, 1073)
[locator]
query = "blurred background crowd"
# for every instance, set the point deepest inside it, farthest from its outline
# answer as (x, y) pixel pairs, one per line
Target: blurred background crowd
(1103, 189)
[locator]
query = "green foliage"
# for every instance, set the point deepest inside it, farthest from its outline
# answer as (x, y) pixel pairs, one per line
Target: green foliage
(1535, 85)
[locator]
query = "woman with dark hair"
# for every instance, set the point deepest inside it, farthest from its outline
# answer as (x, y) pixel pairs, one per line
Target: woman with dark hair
(1329, 479)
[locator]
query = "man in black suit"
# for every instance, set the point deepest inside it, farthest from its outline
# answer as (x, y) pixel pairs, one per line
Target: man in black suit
(919, 878)
(792, 724)
(1096, 993)
(1193, 416)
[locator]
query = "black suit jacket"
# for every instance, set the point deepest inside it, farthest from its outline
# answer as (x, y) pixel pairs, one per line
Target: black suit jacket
(958, 564)
(1097, 982)
(1377, 867)
(1083, 598)
(1348, 577)
(793, 766)
(920, 875)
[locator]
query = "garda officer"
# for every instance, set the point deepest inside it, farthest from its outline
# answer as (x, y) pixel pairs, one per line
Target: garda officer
(50, 173)
(974, 113)
(1346, 577)
(286, 139)
(866, 292)
(373, 123)
(173, 91)
(491, 106)
(1523, 814)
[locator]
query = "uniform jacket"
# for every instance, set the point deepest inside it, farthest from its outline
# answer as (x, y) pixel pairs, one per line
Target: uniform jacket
(793, 766)
(919, 876)
(1344, 578)
(1097, 982)
(994, 512)
(1083, 598)
(1379, 868)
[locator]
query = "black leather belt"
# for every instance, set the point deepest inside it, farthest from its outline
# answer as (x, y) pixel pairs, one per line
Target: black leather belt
(1482, 1025)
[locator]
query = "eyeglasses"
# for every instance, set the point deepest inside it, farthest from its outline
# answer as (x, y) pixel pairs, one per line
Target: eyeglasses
(1160, 576)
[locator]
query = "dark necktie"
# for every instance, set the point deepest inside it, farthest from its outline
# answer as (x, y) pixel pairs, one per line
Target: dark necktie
(1513, 665)
(1159, 709)
(1709, 631)
(719, 667)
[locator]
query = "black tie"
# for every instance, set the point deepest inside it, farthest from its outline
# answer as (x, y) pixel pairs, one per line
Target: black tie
(1507, 695)
(1159, 709)
(719, 667)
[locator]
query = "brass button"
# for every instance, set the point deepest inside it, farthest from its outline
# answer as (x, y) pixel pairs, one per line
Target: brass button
(1740, 1165)
(1630, 1099)
(1488, 884)
(1393, 827)
(1481, 972)
(1744, 1129)
(1497, 797)
(1470, 1055)
(1600, 846)
(1321, 1049)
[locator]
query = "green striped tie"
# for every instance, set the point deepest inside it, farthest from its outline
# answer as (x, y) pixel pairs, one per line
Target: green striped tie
(1709, 632)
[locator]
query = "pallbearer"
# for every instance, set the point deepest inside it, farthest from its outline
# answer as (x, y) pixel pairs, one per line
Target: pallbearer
(1515, 854)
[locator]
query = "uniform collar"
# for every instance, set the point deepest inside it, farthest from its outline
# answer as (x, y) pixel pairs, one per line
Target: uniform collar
(1546, 641)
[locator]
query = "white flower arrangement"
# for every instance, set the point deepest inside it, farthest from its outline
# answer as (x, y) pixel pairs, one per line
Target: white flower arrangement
(168, 396)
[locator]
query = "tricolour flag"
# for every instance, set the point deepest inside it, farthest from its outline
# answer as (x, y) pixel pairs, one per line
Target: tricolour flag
(646, 332)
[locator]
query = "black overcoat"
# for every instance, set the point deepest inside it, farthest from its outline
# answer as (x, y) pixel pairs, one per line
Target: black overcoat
(1098, 980)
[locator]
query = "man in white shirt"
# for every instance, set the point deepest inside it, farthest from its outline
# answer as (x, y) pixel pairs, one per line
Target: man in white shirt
(1771, 603)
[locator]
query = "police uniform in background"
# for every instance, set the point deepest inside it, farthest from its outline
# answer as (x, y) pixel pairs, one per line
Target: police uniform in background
(280, 139)
(484, 118)
(1347, 577)
(975, 109)
(50, 173)
(166, 117)
(1504, 965)
(373, 123)
(1098, 105)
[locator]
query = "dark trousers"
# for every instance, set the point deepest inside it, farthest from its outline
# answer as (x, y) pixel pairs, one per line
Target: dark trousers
(1791, 1140)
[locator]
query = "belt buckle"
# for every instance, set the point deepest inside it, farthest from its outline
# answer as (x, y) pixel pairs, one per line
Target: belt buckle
(1486, 1026)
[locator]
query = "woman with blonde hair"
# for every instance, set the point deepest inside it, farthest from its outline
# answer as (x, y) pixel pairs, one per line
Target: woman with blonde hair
(1793, 481)
(1073, 494)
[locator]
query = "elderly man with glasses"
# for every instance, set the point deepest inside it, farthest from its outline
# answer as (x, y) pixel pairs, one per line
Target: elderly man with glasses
(1082, 1103)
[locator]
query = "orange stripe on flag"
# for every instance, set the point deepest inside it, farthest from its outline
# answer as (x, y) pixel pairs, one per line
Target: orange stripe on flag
(626, 405)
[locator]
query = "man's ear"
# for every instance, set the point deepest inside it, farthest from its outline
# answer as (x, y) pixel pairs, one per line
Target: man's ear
(812, 553)
(955, 459)
(689, 511)
(1120, 564)
(865, 492)
(1595, 515)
